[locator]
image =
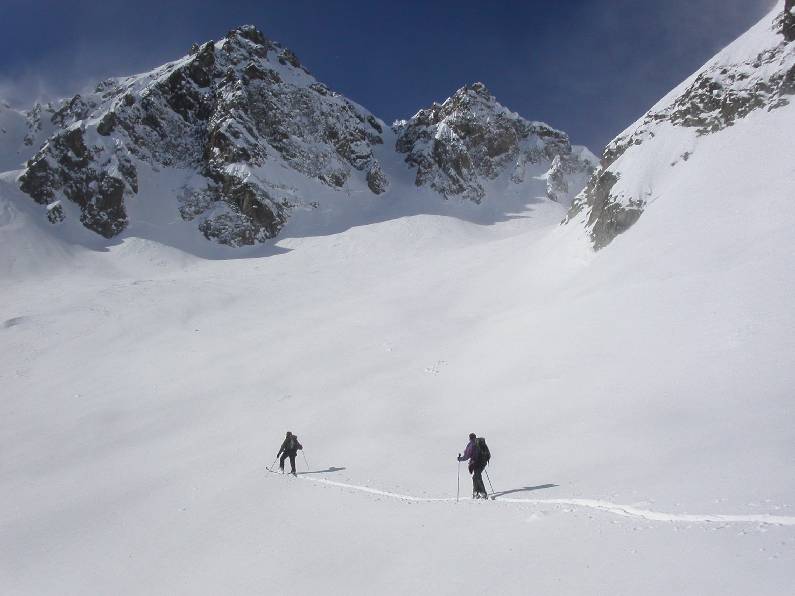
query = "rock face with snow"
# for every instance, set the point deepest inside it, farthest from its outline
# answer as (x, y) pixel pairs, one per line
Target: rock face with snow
(757, 72)
(242, 136)
(235, 111)
(459, 145)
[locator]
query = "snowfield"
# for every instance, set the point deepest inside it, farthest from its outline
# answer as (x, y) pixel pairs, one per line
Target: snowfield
(638, 401)
(145, 391)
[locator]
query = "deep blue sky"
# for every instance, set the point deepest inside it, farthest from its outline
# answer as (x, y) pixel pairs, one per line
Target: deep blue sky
(588, 67)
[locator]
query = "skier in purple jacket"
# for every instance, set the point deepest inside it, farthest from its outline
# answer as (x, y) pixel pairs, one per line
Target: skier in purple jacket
(475, 468)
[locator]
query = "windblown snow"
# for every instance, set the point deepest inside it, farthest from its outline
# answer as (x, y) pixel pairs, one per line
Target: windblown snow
(637, 400)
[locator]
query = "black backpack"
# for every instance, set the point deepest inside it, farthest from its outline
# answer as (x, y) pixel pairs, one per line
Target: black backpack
(482, 453)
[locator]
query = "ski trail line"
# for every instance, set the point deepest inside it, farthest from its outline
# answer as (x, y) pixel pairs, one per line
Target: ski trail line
(623, 510)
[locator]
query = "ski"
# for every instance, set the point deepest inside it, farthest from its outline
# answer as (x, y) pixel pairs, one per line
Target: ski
(280, 472)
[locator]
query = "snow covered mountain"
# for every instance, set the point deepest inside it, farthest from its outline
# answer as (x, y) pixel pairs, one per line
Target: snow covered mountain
(227, 118)
(470, 139)
(637, 400)
(754, 74)
(245, 136)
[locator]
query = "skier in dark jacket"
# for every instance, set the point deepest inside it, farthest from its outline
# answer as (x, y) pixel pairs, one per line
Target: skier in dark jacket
(476, 467)
(289, 448)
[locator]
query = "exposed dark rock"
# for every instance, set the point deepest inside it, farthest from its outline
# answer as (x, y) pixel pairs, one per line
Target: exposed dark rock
(376, 179)
(67, 165)
(39, 181)
(200, 69)
(185, 98)
(102, 209)
(787, 22)
(607, 215)
(374, 123)
(107, 124)
(254, 72)
(557, 182)
(71, 111)
(288, 57)
(320, 88)
(336, 179)
(710, 105)
(251, 33)
(55, 212)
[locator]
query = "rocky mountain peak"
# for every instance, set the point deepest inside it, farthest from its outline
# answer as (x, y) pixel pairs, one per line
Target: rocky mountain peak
(476, 92)
(234, 111)
(250, 33)
(244, 136)
(457, 146)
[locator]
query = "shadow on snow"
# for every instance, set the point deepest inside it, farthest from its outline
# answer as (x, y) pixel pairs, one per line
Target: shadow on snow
(326, 471)
(502, 493)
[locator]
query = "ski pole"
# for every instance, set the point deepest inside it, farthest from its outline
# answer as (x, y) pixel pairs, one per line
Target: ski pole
(306, 462)
(489, 479)
(273, 464)
(458, 485)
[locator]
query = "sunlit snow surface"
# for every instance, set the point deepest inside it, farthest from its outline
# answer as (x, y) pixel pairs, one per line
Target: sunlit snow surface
(638, 402)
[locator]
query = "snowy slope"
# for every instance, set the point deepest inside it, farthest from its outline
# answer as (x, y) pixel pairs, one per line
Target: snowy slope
(637, 400)
(145, 394)
(755, 73)
(13, 129)
(21, 133)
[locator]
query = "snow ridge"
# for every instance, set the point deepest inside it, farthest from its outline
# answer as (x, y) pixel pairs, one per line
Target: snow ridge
(756, 73)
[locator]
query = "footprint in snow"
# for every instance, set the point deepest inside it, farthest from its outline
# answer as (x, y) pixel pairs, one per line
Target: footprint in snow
(436, 368)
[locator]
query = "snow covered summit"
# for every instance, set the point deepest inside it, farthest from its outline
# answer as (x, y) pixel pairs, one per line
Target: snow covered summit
(460, 145)
(226, 119)
(237, 136)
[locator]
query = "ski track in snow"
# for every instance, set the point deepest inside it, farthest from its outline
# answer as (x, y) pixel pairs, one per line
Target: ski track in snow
(614, 508)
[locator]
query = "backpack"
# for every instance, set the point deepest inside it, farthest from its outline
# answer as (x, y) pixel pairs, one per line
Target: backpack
(482, 453)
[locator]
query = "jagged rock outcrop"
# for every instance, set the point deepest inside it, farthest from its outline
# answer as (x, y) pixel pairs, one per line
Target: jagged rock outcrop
(787, 20)
(469, 139)
(567, 171)
(238, 111)
(377, 181)
(95, 179)
(729, 88)
(55, 214)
